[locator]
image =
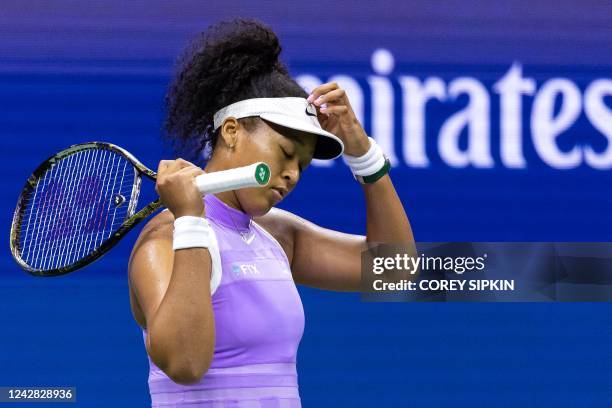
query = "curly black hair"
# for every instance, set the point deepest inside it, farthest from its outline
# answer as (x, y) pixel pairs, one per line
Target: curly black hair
(226, 63)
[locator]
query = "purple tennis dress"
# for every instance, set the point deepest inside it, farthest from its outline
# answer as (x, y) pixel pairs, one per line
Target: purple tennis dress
(259, 321)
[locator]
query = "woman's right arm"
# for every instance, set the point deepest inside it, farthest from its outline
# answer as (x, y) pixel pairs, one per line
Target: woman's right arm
(173, 287)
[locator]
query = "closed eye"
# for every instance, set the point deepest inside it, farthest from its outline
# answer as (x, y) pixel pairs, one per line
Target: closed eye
(290, 156)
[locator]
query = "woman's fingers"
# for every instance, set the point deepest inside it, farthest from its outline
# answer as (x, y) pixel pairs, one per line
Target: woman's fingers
(336, 115)
(166, 167)
(335, 110)
(177, 189)
(191, 171)
(188, 172)
(177, 165)
(336, 95)
(183, 163)
(329, 99)
(321, 90)
(162, 166)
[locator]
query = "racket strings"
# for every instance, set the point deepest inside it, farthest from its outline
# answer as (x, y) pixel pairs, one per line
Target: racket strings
(77, 204)
(61, 233)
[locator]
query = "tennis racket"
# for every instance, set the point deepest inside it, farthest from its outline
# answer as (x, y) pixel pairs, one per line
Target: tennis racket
(81, 201)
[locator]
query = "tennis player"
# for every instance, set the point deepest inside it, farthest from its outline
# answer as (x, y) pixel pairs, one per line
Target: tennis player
(212, 281)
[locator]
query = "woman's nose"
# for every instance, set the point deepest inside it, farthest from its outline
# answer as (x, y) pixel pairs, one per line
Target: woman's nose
(291, 175)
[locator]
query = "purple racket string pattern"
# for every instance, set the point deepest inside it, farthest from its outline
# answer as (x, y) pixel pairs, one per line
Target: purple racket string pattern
(75, 206)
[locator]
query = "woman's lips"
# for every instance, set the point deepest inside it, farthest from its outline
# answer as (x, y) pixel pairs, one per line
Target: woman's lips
(277, 194)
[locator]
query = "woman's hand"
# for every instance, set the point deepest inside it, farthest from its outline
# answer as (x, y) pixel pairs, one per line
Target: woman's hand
(336, 115)
(177, 189)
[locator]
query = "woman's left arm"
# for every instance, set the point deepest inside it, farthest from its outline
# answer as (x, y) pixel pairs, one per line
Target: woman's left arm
(329, 259)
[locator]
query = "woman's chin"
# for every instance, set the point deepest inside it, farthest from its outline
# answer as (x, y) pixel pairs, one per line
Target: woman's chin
(259, 206)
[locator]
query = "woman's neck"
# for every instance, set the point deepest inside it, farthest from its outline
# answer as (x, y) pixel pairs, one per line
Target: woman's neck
(228, 197)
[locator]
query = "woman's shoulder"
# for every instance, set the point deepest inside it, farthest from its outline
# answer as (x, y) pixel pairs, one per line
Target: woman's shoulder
(163, 218)
(159, 227)
(281, 225)
(276, 221)
(282, 221)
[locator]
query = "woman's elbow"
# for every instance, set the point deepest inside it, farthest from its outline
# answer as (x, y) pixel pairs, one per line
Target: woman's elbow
(185, 371)
(182, 364)
(180, 368)
(187, 374)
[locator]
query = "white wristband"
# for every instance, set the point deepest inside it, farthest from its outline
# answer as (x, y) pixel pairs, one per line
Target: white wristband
(190, 232)
(369, 163)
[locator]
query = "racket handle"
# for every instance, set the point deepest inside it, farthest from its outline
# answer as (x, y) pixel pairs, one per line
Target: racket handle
(254, 175)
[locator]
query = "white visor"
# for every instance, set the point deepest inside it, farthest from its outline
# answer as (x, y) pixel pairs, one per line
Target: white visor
(292, 112)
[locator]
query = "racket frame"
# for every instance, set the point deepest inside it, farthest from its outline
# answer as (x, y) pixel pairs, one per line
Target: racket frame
(132, 220)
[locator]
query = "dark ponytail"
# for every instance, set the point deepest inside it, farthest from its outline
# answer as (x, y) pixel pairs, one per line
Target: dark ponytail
(228, 62)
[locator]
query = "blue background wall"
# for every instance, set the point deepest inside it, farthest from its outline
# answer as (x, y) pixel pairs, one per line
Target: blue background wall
(73, 71)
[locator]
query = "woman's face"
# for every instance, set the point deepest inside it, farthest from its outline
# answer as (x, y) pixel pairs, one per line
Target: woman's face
(287, 151)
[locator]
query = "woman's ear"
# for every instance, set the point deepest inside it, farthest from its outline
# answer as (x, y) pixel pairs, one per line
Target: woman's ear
(229, 131)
